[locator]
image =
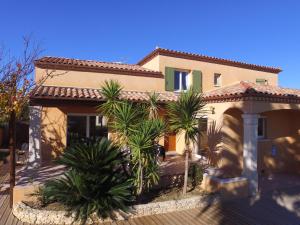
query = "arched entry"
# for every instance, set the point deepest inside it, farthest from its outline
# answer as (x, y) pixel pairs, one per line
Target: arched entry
(279, 149)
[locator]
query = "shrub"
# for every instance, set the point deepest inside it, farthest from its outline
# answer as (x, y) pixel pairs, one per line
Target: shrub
(195, 174)
(95, 182)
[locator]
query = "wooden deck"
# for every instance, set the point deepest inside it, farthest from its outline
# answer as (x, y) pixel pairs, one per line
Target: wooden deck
(243, 212)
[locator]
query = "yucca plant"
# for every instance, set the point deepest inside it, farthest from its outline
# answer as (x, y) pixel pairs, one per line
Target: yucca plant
(152, 105)
(111, 91)
(183, 119)
(143, 155)
(94, 183)
(136, 128)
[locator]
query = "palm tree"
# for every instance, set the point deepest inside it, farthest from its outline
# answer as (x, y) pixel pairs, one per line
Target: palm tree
(183, 120)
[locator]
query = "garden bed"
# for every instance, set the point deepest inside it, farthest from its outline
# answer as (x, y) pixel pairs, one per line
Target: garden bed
(56, 214)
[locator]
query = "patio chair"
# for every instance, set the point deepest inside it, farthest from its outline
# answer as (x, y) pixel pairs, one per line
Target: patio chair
(22, 154)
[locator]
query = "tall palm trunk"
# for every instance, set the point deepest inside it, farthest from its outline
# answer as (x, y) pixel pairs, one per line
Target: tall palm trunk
(186, 169)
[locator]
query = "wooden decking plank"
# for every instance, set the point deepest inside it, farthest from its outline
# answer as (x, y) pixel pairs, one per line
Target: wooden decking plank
(193, 218)
(182, 217)
(10, 219)
(155, 219)
(132, 221)
(148, 220)
(140, 220)
(4, 209)
(173, 218)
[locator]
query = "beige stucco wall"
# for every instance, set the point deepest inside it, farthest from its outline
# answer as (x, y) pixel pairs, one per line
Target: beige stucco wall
(54, 128)
(231, 155)
(229, 74)
(95, 80)
(282, 133)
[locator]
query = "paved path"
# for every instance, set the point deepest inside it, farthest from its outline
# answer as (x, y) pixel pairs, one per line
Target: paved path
(274, 208)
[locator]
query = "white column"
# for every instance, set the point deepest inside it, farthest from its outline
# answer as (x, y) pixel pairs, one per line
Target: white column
(250, 151)
(34, 154)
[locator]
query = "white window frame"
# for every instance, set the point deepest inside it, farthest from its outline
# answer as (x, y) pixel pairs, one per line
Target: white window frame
(263, 136)
(87, 115)
(220, 79)
(180, 80)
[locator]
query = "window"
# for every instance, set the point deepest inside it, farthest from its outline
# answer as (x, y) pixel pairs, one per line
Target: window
(85, 127)
(180, 80)
(261, 81)
(217, 80)
(261, 128)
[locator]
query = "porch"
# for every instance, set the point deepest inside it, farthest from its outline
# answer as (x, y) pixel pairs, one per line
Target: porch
(260, 128)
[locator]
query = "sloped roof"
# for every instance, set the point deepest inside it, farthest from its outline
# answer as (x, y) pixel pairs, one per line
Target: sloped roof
(204, 58)
(95, 66)
(89, 94)
(239, 91)
(246, 89)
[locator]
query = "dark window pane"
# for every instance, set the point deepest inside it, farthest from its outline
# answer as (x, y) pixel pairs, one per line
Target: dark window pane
(184, 77)
(260, 130)
(176, 80)
(97, 130)
(76, 129)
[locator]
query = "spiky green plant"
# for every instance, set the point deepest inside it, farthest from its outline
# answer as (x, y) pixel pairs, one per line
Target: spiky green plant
(153, 106)
(95, 182)
(136, 128)
(111, 91)
(126, 116)
(144, 165)
(183, 120)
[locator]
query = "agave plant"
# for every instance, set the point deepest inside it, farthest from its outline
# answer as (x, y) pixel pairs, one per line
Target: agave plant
(183, 120)
(94, 183)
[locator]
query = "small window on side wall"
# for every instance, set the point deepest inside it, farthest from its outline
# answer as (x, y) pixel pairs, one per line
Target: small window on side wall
(261, 81)
(261, 128)
(217, 79)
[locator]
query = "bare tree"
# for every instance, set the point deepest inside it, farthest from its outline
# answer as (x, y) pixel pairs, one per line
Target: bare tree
(16, 82)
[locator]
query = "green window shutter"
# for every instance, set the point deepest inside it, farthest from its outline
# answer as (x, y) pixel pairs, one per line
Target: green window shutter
(197, 80)
(169, 79)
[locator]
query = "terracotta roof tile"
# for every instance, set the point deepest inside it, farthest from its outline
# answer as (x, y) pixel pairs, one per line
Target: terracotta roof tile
(78, 64)
(72, 93)
(245, 88)
(238, 90)
(204, 58)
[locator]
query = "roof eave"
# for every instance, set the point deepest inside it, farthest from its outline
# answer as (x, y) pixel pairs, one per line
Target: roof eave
(175, 54)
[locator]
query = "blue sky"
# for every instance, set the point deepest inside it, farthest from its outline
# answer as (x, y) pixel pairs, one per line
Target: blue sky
(262, 32)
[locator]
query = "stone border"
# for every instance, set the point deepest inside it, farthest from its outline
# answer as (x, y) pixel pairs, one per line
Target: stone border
(35, 216)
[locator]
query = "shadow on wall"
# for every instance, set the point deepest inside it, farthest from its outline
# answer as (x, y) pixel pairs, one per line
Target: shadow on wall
(53, 133)
(231, 154)
(279, 152)
(214, 143)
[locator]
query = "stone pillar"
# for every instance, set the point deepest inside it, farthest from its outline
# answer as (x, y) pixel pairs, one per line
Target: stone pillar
(34, 156)
(250, 151)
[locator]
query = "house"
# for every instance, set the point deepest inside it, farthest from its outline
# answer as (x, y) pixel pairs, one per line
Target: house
(256, 119)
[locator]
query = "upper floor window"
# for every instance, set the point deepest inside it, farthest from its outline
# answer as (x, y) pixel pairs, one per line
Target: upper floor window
(180, 80)
(217, 79)
(261, 81)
